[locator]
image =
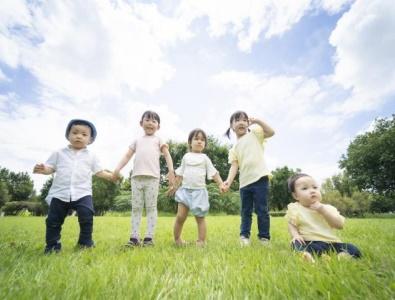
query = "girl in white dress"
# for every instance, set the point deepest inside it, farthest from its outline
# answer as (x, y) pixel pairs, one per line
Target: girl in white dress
(192, 195)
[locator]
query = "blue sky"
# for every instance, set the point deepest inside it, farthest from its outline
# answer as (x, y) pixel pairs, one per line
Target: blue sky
(319, 72)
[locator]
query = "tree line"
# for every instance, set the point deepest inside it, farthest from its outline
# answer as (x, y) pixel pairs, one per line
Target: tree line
(366, 183)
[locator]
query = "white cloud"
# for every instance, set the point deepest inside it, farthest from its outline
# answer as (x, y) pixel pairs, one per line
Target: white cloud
(250, 19)
(3, 77)
(364, 39)
(84, 49)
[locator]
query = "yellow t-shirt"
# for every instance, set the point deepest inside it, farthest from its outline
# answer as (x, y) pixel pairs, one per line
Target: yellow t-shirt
(248, 152)
(311, 225)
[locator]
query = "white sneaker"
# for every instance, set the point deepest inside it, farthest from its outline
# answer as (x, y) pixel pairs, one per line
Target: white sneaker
(244, 241)
(264, 241)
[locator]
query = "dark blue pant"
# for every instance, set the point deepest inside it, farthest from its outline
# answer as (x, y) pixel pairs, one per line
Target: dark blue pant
(319, 247)
(57, 213)
(255, 196)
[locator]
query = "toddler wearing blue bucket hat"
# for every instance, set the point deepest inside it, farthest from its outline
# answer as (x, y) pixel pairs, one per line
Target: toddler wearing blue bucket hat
(71, 188)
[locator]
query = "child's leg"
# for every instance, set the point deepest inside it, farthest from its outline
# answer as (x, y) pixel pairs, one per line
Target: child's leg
(57, 213)
(246, 197)
(84, 208)
(312, 247)
(347, 248)
(182, 213)
(202, 230)
(260, 196)
(137, 206)
(151, 191)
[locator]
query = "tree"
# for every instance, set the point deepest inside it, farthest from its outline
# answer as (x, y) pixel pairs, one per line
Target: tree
(19, 185)
(279, 196)
(370, 158)
(4, 196)
(370, 162)
(215, 151)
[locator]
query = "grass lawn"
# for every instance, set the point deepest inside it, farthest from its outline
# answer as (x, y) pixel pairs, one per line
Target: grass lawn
(221, 270)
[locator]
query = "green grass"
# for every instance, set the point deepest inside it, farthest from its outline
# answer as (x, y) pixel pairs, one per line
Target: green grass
(221, 270)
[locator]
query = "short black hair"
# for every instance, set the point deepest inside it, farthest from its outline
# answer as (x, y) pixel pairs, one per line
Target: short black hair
(149, 114)
(291, 181)
(194, 133)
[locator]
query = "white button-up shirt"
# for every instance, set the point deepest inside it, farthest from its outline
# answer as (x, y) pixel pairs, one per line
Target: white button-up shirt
(73, 174)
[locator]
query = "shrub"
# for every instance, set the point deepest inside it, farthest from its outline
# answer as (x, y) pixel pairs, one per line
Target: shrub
(17, 207)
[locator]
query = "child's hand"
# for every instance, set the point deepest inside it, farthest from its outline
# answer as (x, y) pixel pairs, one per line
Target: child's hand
(171, 191)
(39, 169)
(251, 121)
(225, 186)
(115, 176)
(299, 239)
(171, 177)
(317, 206)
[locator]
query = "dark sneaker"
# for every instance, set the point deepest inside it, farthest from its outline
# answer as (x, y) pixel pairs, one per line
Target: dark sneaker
(148, 242)
(53, 248)
(133, 242)
(86, 246)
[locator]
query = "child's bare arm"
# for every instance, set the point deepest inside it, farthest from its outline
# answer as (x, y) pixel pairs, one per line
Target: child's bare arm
(217, 178)
(334, 220)
(267, 130)
(293, 231)
(125, 159)
(42, 169)
(169, 163)
(232, 174)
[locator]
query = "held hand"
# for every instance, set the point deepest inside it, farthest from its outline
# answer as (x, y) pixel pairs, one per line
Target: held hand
(225, 187)
(171, 191)
(115, 176)
(39, 169)
(171, 177)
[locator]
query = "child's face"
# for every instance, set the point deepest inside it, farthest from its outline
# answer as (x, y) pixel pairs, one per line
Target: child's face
(79, 136)
(307, 191)
(198, 143)
(150, 126)
(240, 126)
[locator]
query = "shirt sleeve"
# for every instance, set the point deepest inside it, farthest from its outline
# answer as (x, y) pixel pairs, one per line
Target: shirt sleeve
(232, 156)
(211, 170)
(292, 214)
(96, 166)
(180, 170)
(52, 161)
(133, 145)
(258, 132)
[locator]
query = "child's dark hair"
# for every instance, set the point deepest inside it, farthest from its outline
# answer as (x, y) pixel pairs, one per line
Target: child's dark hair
(149, 114)
(291, 181)
(194, 133)
(234, 117)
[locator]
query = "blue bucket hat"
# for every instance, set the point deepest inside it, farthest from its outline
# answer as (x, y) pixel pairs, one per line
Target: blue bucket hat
(82, 122)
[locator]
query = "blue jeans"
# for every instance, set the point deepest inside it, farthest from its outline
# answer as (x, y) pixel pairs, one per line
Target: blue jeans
(57, 213)
(320, 247)
(255, 196)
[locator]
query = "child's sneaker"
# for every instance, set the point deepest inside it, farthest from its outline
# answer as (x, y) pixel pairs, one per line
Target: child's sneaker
(53, 248)
(148, 242)
(264, 241)
(133, 242)
(244, 241)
